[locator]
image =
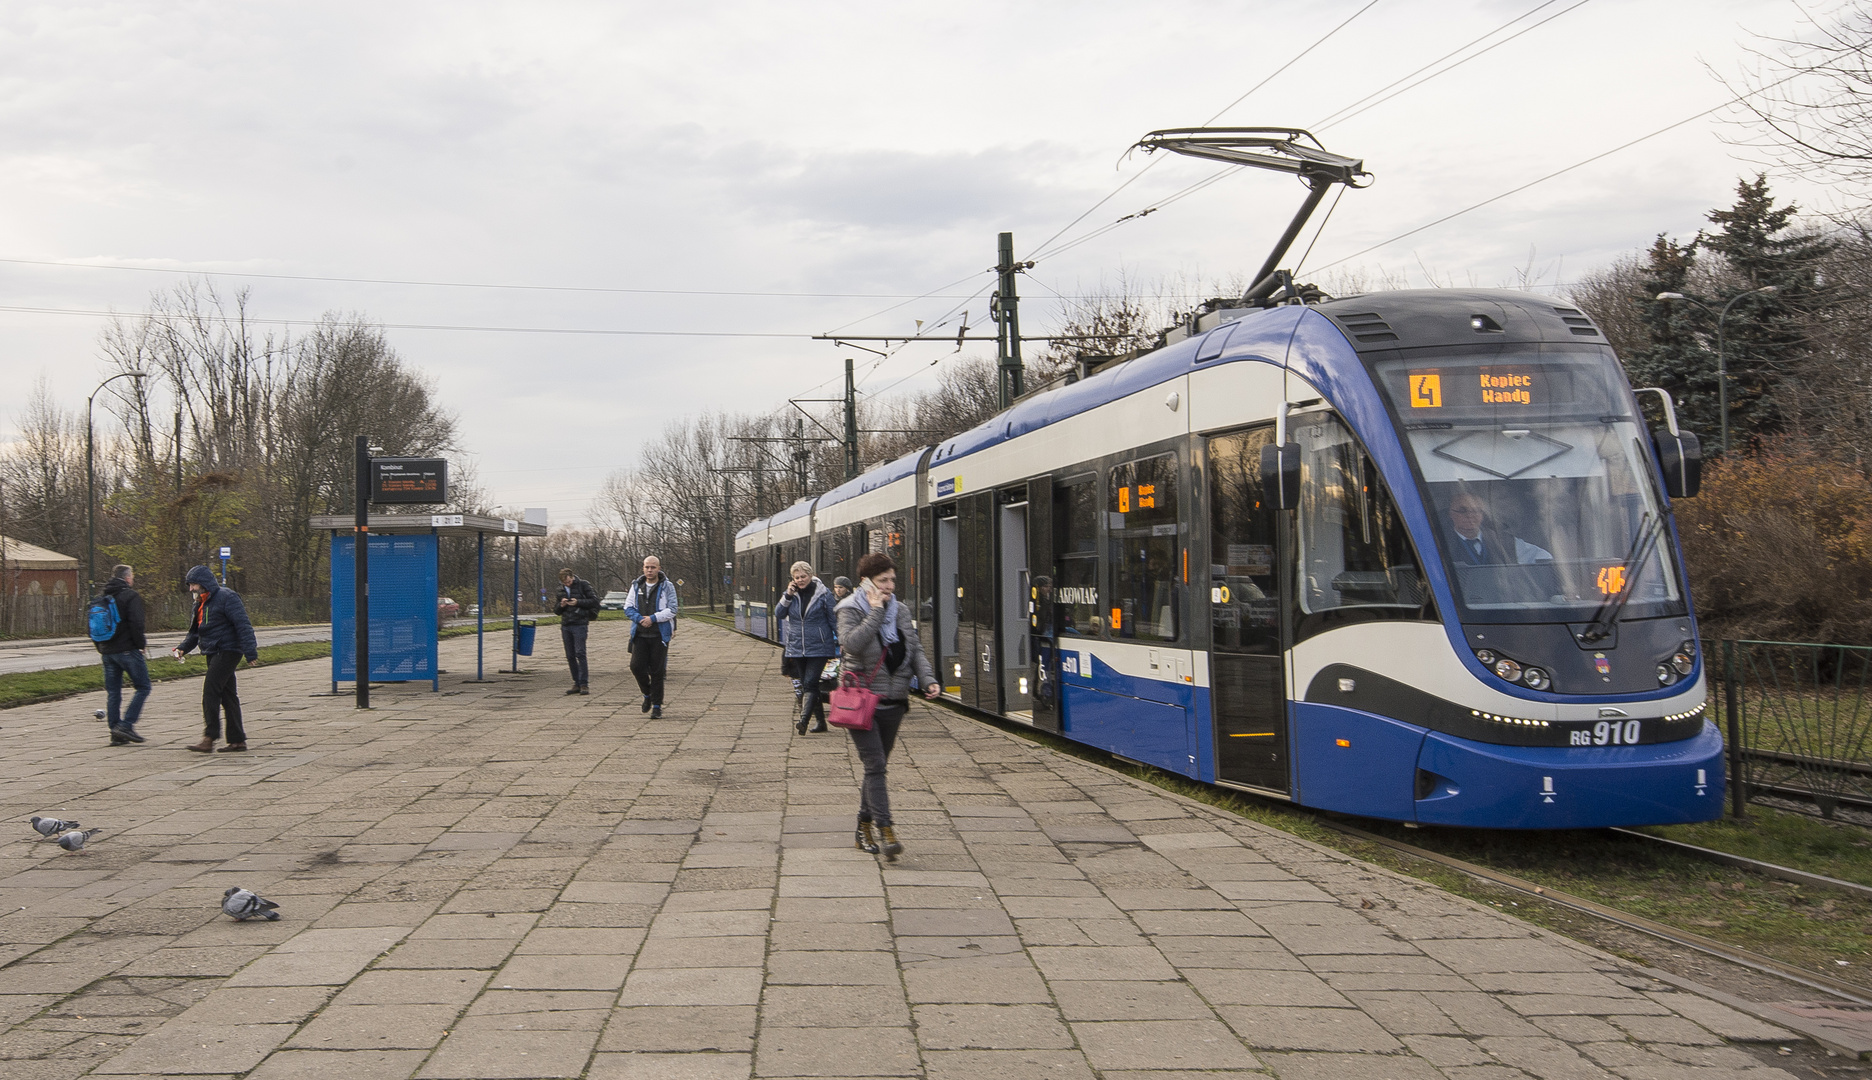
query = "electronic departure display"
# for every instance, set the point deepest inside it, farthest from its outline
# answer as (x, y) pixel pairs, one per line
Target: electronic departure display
(409, 480)
(1517, 385)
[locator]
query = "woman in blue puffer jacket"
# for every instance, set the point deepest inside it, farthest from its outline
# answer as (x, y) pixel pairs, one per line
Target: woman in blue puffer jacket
(809, 632)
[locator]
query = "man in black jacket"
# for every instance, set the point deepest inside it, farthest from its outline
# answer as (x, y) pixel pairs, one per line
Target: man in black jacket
(122, 654)
(578, 606)
(221, 628)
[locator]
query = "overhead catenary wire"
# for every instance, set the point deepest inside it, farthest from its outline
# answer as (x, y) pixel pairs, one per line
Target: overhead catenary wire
(1217, 116)
(422, 283)
(1336, 119)
(595, 331)
(1557, 172)
(1231, 170)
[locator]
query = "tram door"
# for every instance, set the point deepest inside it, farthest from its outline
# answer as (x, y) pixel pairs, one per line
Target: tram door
(1038, 606)
(1016, 646)
(1247, 684)
(951, 659)
(976, 592)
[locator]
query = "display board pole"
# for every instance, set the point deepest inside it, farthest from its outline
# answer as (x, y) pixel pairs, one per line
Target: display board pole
(480, 601)
(513, 662)
(361, 575)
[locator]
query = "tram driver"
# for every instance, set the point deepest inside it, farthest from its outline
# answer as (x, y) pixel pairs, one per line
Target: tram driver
(1479, 541)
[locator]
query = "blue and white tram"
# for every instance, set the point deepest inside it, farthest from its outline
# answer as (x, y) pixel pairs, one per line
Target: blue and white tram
(1406, 555)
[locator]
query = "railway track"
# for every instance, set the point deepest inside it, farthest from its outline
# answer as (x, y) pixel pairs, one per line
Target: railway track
(1746, 958)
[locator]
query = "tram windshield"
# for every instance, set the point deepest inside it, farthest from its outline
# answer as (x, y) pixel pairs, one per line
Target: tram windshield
(1538, 479)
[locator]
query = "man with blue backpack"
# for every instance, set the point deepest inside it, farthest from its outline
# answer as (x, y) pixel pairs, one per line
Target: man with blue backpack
(115, 622)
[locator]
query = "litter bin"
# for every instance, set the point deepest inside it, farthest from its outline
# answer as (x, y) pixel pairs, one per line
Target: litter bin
(524, 644)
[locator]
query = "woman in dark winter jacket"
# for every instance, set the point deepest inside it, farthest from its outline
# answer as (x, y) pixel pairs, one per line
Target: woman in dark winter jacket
(810, 637)
(880, 650)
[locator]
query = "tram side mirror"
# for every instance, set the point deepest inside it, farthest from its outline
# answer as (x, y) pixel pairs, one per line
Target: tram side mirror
(1280, 475)
(1681, 456)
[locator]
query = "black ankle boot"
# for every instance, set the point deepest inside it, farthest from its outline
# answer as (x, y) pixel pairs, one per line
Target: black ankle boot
(866, 839)
(889, 845)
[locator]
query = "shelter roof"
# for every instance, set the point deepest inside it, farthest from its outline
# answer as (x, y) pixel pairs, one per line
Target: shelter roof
(440, 524)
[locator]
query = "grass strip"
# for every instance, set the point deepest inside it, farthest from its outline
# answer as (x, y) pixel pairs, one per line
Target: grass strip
(31, 687)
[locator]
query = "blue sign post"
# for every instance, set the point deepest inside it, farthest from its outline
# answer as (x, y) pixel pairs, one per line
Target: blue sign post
(226, 554)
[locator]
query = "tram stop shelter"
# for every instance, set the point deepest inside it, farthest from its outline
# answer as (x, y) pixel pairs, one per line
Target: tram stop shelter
(405, 574)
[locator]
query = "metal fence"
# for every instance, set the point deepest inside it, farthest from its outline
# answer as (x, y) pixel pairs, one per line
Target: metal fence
(64, 616)
(1796, 719)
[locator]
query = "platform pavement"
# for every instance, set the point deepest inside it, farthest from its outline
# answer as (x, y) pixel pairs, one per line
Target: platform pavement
(503, 881)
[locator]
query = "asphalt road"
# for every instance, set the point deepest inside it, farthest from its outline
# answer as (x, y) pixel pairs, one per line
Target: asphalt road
(45, 654)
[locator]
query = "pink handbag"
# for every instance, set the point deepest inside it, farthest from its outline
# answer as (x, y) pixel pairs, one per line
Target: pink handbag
(853, 705)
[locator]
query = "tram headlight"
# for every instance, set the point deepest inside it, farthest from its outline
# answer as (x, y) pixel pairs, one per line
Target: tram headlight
(1508, 669)
(1684, 659)
(1536, 679)
(1487, 656)
(1665, 676)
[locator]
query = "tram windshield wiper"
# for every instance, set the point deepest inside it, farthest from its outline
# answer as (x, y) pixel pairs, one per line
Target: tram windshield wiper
(1613, 605)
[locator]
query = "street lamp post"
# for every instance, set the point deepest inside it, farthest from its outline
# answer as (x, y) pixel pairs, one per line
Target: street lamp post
(91, 482)
(1722, 369)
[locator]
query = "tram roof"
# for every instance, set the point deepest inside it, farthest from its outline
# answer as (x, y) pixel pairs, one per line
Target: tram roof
(1406, 318)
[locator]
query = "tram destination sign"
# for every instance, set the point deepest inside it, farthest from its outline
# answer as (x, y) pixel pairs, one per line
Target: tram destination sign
(1432, 388)
(409, 480)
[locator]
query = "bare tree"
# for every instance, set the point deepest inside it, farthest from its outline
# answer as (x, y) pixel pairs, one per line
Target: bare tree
(1806, 102)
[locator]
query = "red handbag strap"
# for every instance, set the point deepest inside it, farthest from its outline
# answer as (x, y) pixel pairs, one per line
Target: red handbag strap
(871, 678)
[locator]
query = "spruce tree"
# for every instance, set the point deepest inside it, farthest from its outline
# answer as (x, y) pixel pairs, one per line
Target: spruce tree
(1762, 341)
(1676, 355)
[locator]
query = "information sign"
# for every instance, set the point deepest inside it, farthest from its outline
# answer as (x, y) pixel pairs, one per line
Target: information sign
(227, 553)
(409, 480)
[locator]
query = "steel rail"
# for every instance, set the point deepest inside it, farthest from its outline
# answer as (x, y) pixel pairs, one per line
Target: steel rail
(1756, 866)
(1765, 964)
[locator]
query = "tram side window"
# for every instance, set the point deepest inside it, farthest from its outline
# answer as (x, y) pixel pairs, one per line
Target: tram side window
(895, 530)
(1145, 544)
(746, 573)
(1355, 554)
(1075, 538)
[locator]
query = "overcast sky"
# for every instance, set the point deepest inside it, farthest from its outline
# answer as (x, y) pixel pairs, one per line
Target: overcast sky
(856, 153)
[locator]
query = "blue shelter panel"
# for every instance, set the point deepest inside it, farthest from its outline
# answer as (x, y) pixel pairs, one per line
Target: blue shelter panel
(403, 589)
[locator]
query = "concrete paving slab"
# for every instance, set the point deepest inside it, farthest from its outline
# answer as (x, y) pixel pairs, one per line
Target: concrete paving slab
(523, 885)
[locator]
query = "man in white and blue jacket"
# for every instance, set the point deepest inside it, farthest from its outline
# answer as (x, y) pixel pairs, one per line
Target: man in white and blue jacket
(651, 608)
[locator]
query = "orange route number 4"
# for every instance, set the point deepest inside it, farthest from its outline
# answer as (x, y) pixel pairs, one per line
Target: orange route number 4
(1426, 391)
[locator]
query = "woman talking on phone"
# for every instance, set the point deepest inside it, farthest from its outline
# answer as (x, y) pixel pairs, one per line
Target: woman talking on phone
(810, 638)
(879, 647)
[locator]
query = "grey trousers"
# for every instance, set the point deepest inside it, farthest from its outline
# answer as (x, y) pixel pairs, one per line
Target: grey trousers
(874, 749)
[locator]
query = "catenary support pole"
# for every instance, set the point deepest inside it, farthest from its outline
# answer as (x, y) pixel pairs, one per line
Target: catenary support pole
(361, 569)
(1007, 316)
(851, 424)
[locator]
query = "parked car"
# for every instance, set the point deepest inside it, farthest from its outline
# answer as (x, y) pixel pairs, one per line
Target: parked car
(446, 608)
(614, 600)
(473, 612)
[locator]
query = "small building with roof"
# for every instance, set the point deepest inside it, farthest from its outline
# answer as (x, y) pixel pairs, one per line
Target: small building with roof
(30, 570)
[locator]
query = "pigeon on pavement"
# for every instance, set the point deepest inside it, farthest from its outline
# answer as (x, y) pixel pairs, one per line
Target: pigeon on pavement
(244, 905)
(75, 839)
(97, 714)
(48, 826)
